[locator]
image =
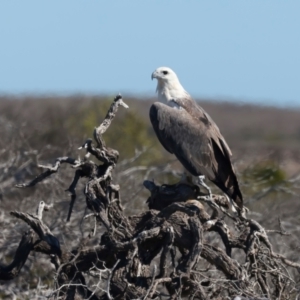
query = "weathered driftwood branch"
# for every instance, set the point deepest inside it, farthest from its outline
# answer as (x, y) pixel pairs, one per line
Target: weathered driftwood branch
(98, 132)
(50, 171)
(40, 229)
(172, 235)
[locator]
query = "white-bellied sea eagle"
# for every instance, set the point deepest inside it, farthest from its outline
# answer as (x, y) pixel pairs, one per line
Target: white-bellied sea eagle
(187, 131)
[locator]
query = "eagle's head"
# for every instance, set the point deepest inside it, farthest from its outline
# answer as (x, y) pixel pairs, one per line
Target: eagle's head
(165, 74)
(168, 85)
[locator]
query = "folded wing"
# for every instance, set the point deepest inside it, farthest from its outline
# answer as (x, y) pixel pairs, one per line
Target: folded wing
(192, 136)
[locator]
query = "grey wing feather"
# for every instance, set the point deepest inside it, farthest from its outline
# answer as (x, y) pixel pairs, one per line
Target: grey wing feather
(214, 131)
(185, 137)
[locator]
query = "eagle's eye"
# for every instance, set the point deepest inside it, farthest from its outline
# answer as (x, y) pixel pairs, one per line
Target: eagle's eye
(165, 72)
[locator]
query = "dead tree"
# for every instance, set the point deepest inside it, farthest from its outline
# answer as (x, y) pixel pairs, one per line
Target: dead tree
(161, 253)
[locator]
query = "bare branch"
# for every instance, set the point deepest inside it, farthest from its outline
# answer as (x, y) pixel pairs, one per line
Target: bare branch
(50, 171)
(41, 229)
(12, 270)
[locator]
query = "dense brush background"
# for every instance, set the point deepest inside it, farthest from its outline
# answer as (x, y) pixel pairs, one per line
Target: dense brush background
(265, 142)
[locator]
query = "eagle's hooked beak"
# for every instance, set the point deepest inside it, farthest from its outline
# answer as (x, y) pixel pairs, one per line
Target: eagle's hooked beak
(154, 75)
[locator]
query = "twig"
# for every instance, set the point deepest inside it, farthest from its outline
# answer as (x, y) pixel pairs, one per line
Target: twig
(50, 171)
(42, 206)
(109, 280)
(152, 282)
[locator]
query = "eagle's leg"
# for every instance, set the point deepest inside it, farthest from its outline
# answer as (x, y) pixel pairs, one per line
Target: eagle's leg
(203, 184)
(209, 199)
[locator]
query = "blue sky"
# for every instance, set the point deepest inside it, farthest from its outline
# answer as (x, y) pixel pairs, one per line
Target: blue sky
(231, 50)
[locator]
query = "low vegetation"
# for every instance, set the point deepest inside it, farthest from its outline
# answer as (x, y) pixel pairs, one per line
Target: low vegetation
(107, 242)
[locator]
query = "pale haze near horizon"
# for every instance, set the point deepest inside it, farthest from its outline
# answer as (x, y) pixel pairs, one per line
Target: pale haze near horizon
(241, 51)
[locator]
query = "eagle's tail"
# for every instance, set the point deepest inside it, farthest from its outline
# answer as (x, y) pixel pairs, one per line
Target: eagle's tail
(235, 194)
(232, 190)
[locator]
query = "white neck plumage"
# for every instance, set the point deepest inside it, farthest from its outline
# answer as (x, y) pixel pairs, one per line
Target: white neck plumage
(171, 93)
